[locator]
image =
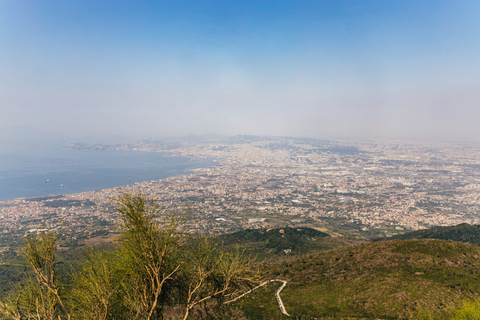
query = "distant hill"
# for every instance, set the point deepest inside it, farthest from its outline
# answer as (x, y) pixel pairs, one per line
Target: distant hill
(463, 232)
(284, 241)
(384, 280)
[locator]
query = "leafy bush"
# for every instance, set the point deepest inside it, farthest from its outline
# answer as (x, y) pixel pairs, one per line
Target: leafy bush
(154, 267)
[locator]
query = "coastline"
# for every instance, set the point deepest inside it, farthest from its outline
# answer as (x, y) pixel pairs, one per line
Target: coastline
(54, 175)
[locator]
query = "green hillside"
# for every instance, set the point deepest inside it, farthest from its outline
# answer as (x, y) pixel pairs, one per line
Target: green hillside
(265, 243)
(386, 280)
(397, 279)
(463, 232)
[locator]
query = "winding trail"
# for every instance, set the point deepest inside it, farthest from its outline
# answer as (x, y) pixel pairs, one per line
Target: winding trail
(277, 294)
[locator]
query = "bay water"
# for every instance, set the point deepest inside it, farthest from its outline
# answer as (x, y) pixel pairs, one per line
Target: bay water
(52, 170)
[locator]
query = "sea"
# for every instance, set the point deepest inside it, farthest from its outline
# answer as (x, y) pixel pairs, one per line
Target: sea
(51, 169)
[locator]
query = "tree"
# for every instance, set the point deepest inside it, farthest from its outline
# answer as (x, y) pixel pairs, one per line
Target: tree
(96, 287)
(38, 298)
(149, 249)
(167, 267)
(213, 274)
(154, 264)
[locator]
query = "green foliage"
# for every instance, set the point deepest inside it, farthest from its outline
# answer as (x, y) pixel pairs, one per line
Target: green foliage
(463, 232)
(470, 310)
(30, 300)
(392, 279)
(215, 275)
(152, 272)
(10, 274)
(148, 251)
(96, 287)
(266, 243)
(40, 298)
(423, 314)
(156, 271)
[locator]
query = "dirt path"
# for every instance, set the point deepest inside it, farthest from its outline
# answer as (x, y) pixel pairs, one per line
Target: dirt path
(277, 294)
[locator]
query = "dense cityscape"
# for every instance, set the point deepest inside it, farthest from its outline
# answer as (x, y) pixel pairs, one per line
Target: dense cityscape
(355, 189)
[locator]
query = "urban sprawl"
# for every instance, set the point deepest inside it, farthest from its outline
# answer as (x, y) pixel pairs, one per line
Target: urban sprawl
(356, 189)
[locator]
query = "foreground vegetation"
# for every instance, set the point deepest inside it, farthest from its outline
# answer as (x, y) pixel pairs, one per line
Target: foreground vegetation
(154, 271)
(386, 280)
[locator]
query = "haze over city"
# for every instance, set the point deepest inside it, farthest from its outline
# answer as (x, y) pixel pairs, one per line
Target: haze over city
(254, 159)
(322, 69)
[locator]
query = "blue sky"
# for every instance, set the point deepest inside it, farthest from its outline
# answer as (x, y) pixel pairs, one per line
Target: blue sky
(324, 69)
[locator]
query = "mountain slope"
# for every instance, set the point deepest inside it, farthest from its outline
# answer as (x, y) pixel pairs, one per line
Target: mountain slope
(265, 243)
(463, 232)
(391, 279)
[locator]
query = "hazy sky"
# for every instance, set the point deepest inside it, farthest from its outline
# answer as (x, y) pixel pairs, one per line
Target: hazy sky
(325, 69)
